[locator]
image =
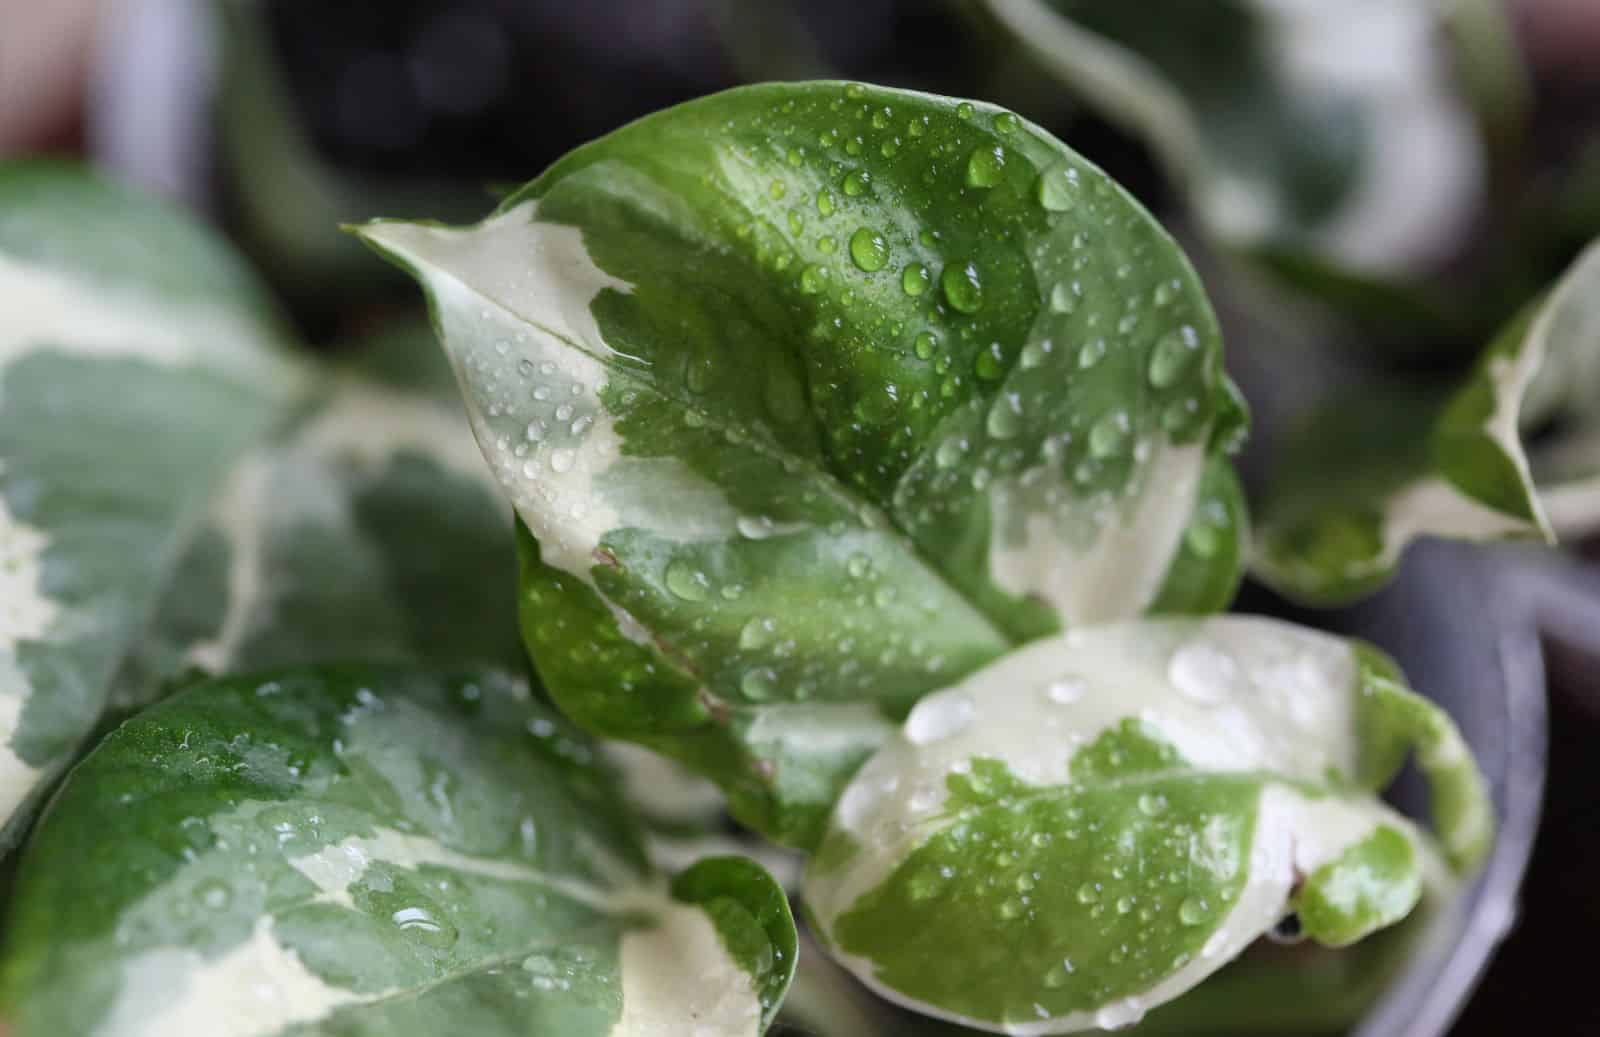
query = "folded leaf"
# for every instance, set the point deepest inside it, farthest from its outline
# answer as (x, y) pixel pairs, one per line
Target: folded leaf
(1101, 820)
(1330, 130)
(1376, 469)
(139, 360)
(371, 850)
(813, 397)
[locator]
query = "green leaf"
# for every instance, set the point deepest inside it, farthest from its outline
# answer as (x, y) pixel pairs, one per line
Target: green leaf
(1100, 821)
(812, 398)
(139, 360)
(1333, 130)
(372, 850)
(1377, 468)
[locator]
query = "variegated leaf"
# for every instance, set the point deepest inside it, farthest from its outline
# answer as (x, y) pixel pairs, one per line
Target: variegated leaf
(1368, 474)
(372, 850)
(1102, 820)
(139, 360)
(1331, 131)
(813, 397)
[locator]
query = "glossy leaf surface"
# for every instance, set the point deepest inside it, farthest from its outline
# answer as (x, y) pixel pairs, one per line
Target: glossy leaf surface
(810, 399)
(372, 850)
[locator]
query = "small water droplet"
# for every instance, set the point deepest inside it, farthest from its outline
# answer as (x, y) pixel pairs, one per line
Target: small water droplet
(990, 363)
(914, 279)
(924, 344)
(1064, 691)
(420, 924)
(963, 287)
(1152, 804)
(1057, 189)
(856, 182)
(1172, 355)
(1090, 353)
(1005, 416)
(213, 893)
(777, 190)
(1034, 354)
(685, 580)
(827, 244)
(1088, 893)
(1202, 672)
(1193, 911)
(758, 684)
(812, 279)
(965, 111)
(1064, 297)
(985, 166)
(1109, 435)
(859, 566)
(757, 633)
(562, 460)
(1203, 539)
(939, 716)
(868, 249)
(825, 202)
(950, 452)
(1165, 292)
(1124, 905)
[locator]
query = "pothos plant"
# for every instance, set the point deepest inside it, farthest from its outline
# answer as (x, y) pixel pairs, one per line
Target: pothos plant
(869, 457)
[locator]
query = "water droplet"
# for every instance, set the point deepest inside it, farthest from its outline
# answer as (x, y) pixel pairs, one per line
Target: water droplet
(213, 893)
(1088, 893)
(1172, 355)
(1010, 908)
(1181, 416)
(1091, 352)
(890, 147)
(1057, 189)
(985, 166)
(420, 924)
(825, 202)
(757, 633)
(758, 684)
(963, 287)
(1119, 1014)
(990, 363)
(1203, 539)
(1202, 672)
(535, 431)
(859, 566)
(868, 249)
(1005, 416)
(1165, 292)
(856, 182)
(812, 279)
(914, 279)
(1064, 691)
(1024, 883)
(917, 126)
(924, 344)
(797, 222)
(950, 452)
(1034, 354)
(561, 460)
(1124, 905)
(687, 581)
(965, 111)
(1064, 297)
(794, 157)
(1152, 804)
(1193, 911)
(828, 244)
(1109, 435)
(939, 716)
(777, 190)
(1007, 123)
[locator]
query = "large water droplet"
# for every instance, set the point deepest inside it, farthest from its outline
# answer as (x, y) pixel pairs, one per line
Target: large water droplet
(1202, 672)
(963, 287)
(856, 182)
(686, 580)
(868, 249)
(914, 279)
(1172, 355)
(985, 166)
(939, 716)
